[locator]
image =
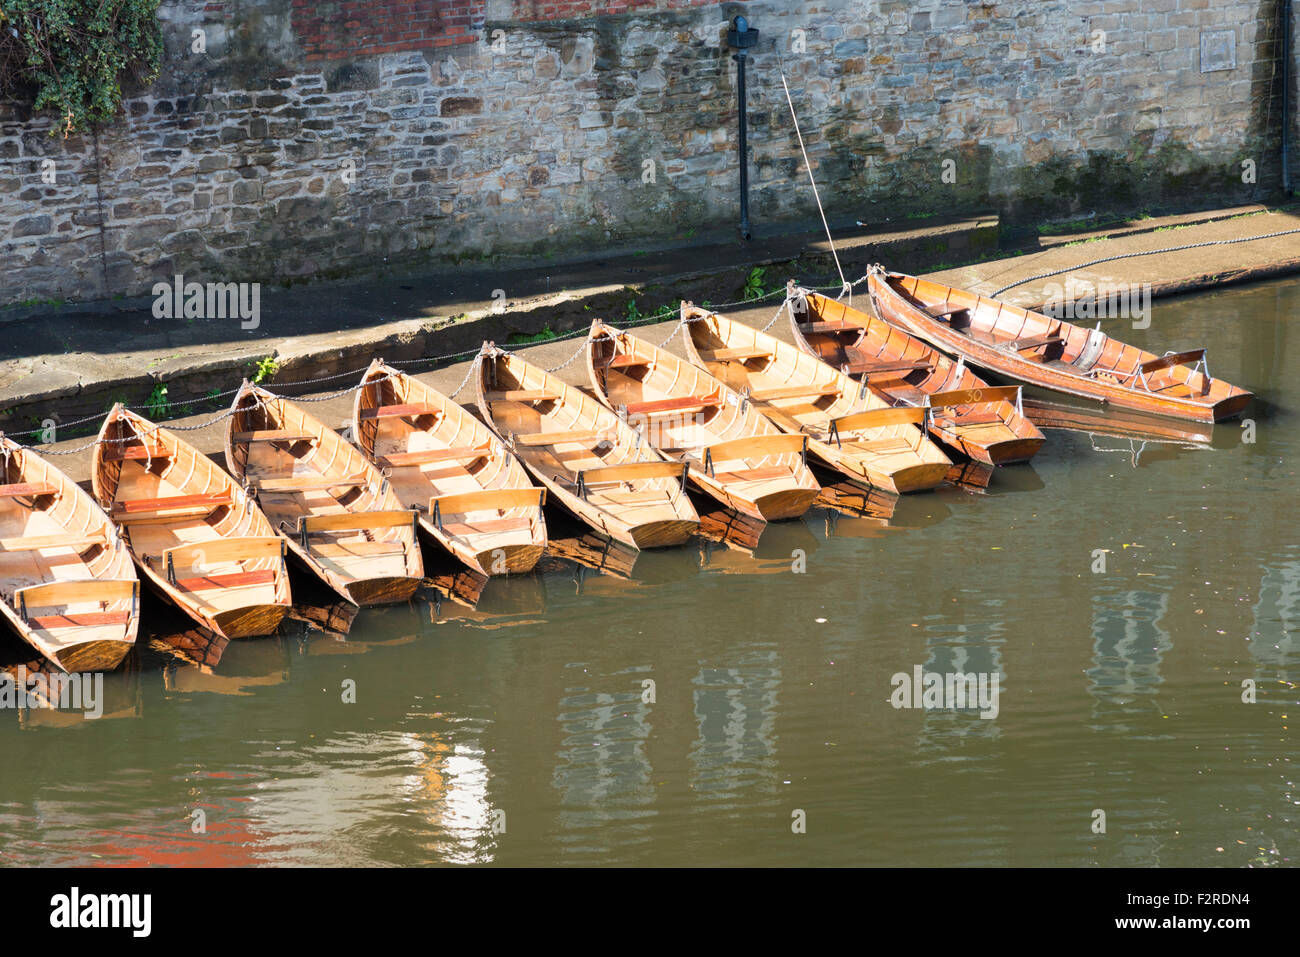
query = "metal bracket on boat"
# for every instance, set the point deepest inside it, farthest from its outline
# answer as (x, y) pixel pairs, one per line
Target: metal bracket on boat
(171, 569)
(436, 517)
(862, 390)
(744, 399)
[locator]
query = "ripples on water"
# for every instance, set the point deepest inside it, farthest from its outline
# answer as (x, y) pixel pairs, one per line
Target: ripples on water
(523, 731)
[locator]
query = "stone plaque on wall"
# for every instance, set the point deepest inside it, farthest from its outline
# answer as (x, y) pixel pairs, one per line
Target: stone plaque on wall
(1218, 50)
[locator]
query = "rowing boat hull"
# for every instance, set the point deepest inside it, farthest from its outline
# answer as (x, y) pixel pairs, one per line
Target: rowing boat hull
(897, 456)
(912, 372)
(652, 512)
(249, 599)
(668, 381)
(902, 300)
(438, 426)
(65, 511)
(311, 478)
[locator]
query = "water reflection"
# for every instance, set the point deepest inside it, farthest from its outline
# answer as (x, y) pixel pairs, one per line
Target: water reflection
(736, 704)
(1128, 645)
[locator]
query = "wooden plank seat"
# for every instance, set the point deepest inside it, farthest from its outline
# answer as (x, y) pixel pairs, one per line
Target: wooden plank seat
(172, 506)
(26, 489)
(630, 472)
(524, 395)
(88, 619)
(309, 525)
(625, 360)
(486, 526)
(562, 438)
(351, 549)
(947, 311)
(752, 475)
(834, 325)
(232, 580)
(680, 404)
(273, 435)
(63, 593)
(1031, 342)
(738, 354)
(116, 452)
(483, 500)
(753, 447)
(794, 392)
(35, 543)
(980, 396)
(306, 483)
(874, 419)
(457, 453)
(219, 551)
(411, 409)
(873, 367)
(972, 418)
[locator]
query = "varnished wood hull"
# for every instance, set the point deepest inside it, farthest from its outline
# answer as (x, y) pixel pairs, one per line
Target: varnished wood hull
(801, 395)
(237, 607)
(907, 372)
(40, 503)
(903, 299)
(382, 591)
(655, 389)
(562, 436)
(313, 485)
(438, 426)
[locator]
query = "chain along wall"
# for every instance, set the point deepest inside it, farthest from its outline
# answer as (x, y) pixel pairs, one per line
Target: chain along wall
(323, 139)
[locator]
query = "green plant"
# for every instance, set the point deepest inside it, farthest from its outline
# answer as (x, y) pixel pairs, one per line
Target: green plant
(753, 288)
(264, 369)
(72, 56)
(633, 313)
(214, 396)
(521, 338)
(157, 405)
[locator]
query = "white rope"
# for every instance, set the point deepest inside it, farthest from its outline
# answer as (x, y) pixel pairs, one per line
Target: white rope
(808, 165)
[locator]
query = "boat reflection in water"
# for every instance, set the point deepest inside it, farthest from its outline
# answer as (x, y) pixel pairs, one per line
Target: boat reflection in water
(850, 510)
(1128, 645)
(1139, 436)
(246, 665)
(120, 694)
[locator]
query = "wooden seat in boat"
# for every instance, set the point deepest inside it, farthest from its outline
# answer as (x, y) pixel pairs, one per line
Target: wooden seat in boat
(737, 354)
(272, 435)
(25, 489)
(171, 506)
(1032, 342)
(34, 543)
(461, 453)
(524, 395)
(559, 438)
(305, 483)
(116, 452)
(675, 405)
(410, 409)
(795, 392)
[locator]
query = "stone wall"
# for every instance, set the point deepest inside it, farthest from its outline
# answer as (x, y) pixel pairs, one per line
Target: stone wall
(322, 139)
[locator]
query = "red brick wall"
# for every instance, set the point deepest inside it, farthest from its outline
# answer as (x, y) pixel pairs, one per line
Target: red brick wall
(335, 29)
(565, 9)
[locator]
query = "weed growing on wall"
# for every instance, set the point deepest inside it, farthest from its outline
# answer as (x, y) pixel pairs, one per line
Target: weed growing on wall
(72, 56)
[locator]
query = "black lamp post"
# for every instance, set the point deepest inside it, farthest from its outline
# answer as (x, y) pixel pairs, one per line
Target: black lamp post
(741, 38)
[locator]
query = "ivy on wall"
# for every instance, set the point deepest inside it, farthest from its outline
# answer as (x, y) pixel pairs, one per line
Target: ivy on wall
(71, 57)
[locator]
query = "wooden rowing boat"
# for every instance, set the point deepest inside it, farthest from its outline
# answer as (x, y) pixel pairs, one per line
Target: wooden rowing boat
(69, 588)
(970, 416)
(334, 509)
(736, 455)
(473, 496)
(849, 426)
(1053, 354)
(591, 462)
(197, 537)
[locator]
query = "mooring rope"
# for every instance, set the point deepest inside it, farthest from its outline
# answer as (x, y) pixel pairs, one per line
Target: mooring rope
(845, 287)
(1147, 252)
